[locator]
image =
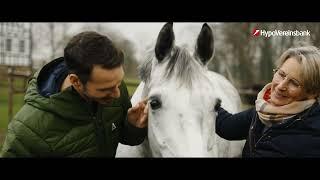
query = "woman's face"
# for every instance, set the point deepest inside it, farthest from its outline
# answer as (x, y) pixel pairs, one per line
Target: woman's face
(287, 84)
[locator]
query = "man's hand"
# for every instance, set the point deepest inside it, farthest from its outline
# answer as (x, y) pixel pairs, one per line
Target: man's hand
(138, 115)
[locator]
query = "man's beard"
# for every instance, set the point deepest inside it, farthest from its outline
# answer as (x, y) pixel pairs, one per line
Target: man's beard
(103, 101)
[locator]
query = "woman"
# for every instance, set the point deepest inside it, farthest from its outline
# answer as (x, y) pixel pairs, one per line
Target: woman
(286, 119)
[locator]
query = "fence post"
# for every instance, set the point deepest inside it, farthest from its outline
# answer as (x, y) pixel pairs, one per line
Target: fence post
(10, 92)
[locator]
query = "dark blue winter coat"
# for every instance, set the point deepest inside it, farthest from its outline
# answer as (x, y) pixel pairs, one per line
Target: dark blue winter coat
(297, 137)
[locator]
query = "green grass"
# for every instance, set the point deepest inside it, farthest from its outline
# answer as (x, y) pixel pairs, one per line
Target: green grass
(246, 107)
(131, 90)
(132, 85)
(130, 80)
(17, 104)
(2, 137)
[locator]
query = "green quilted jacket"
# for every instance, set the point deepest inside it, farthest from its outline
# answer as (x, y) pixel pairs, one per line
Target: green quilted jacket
(65, 125)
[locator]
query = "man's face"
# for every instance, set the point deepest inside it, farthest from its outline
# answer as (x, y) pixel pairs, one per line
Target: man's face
(103, 85)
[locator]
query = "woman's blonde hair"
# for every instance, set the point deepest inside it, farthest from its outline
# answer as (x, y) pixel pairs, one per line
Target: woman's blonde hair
(309, 59)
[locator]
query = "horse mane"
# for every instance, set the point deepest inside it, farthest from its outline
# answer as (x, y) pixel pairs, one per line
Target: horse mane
(181, 65)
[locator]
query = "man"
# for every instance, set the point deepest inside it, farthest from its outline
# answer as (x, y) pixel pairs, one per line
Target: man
(77, 105)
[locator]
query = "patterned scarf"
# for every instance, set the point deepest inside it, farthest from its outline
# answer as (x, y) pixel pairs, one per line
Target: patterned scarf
(269, 114)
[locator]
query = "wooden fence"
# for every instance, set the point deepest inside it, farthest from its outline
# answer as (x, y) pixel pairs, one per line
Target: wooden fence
(11, 73)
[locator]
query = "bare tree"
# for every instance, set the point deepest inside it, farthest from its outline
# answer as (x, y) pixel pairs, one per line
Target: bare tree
(314, 29)
(130, 62)
(51, 38)
(240, 50)
(250, 59)
(31, 45)
(58, 38)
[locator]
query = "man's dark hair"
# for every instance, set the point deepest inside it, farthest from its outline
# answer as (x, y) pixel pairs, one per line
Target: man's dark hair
(90, 48)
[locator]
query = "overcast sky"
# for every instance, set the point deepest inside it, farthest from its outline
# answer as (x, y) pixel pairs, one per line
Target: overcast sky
(144, 34)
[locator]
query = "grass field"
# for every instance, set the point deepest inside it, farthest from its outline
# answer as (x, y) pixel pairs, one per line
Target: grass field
(17, 103)
(132, 85)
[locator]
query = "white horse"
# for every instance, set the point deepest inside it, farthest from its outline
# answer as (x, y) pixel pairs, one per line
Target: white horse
(181, 94)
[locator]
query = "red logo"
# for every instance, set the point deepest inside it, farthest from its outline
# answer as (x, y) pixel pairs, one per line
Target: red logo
(256, 32)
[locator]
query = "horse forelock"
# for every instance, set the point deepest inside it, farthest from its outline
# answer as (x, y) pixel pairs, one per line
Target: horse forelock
(180, 65)
(146, 67)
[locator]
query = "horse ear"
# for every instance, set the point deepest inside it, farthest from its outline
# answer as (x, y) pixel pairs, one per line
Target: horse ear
(205, 44)
(165, 41)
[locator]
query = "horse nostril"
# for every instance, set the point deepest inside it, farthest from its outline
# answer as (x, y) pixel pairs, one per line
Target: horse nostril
(155, 104)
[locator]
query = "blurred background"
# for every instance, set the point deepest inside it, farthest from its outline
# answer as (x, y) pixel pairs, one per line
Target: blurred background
(245, 58)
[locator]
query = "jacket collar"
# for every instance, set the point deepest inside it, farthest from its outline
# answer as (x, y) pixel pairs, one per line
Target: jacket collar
(51, 77)
(42, 95)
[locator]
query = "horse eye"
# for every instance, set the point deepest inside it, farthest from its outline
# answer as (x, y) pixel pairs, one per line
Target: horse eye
(155, 104)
